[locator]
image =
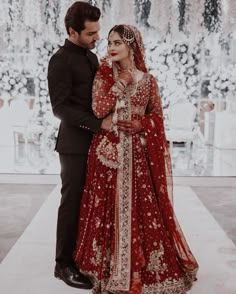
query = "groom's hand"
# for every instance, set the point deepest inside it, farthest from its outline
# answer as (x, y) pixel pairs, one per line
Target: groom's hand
(106, 123)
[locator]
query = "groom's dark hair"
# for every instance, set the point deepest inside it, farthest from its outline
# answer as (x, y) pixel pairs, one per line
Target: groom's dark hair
(78, 13)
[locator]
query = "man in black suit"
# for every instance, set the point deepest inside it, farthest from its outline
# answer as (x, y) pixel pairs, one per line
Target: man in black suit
(70, 76)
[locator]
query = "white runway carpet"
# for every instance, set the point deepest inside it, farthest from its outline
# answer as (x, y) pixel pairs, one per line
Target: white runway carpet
(28, 268)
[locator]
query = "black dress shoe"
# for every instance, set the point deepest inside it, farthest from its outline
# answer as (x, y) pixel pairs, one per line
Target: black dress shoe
(72, 277)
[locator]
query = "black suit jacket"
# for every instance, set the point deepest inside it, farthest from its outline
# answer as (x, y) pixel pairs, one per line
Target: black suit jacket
(71, 72)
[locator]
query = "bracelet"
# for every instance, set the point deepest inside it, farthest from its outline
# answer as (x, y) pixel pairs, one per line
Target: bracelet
(124, 84)
(121, 85)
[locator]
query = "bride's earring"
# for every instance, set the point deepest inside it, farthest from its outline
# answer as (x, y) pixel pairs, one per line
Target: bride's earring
(132, 59)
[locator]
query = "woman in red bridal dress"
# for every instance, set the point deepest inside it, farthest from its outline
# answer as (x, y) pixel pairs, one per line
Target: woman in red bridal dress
(129, 239)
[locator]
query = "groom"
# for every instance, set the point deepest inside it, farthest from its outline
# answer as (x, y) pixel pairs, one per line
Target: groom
(70, 76)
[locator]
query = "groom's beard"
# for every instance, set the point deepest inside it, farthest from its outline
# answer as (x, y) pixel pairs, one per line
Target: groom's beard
(92, 45)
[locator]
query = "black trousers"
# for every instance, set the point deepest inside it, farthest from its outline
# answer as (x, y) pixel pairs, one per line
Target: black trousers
(73, 173)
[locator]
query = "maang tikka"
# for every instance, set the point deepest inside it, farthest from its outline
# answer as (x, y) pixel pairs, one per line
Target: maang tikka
(128, 36)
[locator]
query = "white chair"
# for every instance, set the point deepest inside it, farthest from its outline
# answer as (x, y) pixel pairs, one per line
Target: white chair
(225, 130)
(5, 124)
(23, 123)
(181, 125)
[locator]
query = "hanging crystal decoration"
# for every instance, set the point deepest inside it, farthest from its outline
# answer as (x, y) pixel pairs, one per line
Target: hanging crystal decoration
(4, 15)
(212, 15)
(176, 34)
(32, 15)
(194, 22)
(122, 14)
(65, 4)
(142, 11)
(182, 6)
(158, 20)
(194, 16)
(229, 16)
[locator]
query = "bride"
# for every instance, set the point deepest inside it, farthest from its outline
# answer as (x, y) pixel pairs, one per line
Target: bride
(129, 239)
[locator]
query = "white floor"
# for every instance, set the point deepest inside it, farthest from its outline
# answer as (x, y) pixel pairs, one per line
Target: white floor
(28, 268)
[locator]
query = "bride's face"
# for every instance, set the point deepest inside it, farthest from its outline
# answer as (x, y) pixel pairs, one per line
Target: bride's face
(117, 49)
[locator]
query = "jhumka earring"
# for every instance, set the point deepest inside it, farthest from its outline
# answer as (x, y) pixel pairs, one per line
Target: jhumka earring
(132, 59)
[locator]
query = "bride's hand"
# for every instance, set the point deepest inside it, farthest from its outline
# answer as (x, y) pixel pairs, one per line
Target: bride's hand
(107, 122)
(130, 127)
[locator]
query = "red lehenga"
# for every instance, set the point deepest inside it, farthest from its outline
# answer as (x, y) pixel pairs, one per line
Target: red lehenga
(129, 239)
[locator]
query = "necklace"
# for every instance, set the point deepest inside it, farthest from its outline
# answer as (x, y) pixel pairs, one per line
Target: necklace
(132, 88)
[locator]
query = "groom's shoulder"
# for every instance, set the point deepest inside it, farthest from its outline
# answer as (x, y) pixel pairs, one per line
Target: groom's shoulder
(59, 61)
(60, 52)
(59, 55)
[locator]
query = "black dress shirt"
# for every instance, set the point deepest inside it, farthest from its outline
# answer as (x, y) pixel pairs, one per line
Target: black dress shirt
(71, 73)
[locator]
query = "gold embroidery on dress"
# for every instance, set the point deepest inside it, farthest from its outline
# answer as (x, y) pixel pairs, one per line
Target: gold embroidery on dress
(168, 286)
(97, 253)
(121, 270)
(107, 153)
(156, 262)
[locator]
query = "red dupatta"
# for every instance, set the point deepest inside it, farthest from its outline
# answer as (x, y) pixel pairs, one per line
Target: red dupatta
(161, 173)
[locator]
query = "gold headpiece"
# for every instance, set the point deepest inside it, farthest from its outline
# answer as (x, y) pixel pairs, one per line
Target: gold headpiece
(128, 35)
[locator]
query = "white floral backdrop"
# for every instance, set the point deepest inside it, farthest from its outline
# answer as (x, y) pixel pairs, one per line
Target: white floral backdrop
(191, 45)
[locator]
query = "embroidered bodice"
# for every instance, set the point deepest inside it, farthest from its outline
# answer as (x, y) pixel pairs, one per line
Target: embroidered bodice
(136, 101)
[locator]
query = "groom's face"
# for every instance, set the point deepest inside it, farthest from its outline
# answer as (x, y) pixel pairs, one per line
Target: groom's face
(89, 35)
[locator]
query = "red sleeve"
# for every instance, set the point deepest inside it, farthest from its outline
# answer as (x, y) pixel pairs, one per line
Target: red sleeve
(105, 91)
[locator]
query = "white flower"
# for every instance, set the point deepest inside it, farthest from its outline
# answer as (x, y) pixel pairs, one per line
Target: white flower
(191, 71)
(12, 81)
(42, 77)
(217, 84)
(43, 85)
(24, 81)
(14, 93)
(5, 79)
